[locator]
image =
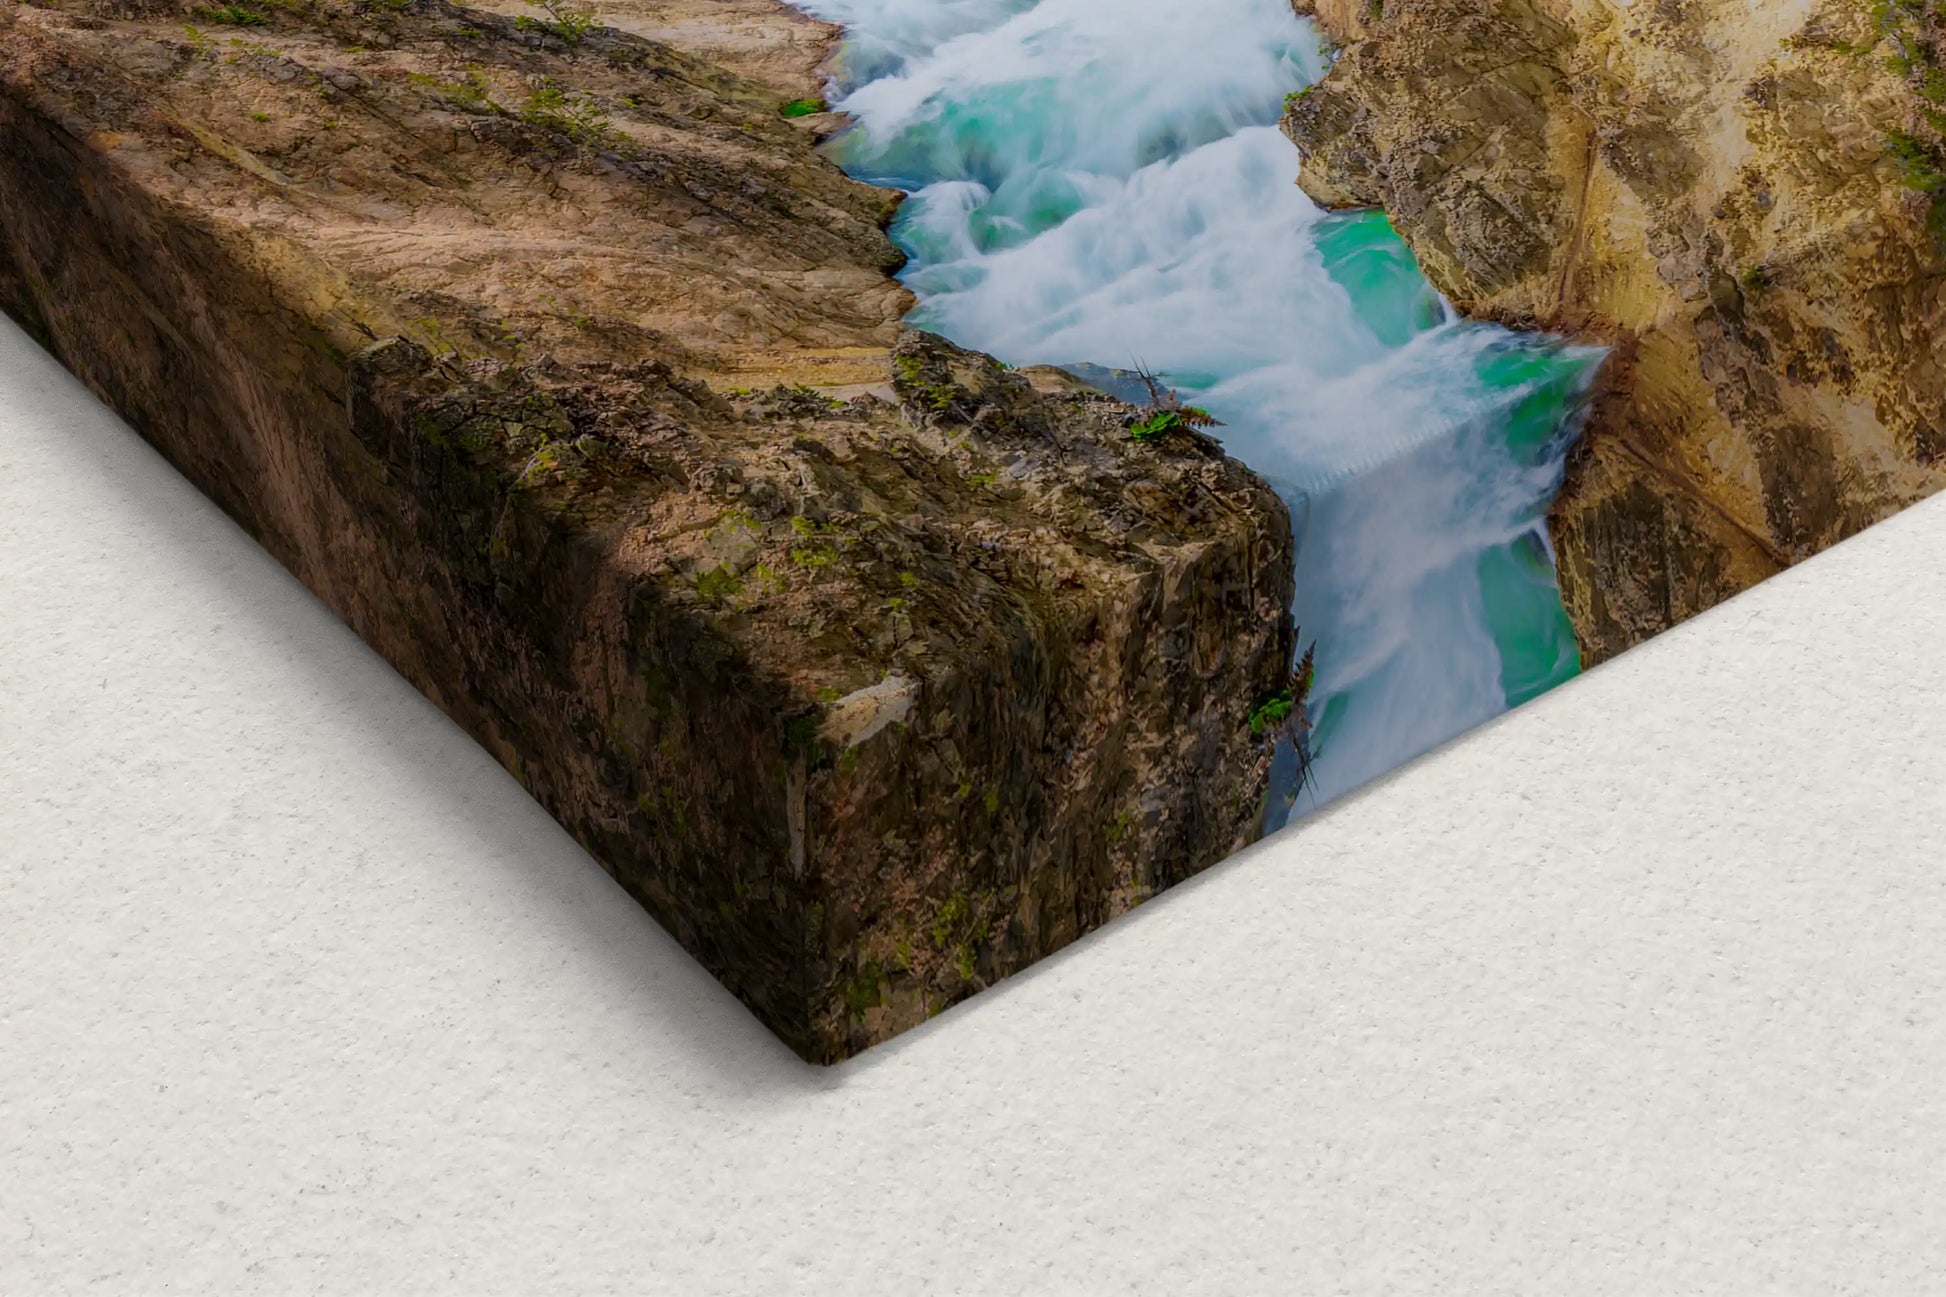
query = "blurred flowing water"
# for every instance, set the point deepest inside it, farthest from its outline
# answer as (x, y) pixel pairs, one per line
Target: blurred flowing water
(1100, 183)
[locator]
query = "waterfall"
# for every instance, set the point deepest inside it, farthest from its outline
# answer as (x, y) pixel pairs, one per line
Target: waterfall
(1100, 184)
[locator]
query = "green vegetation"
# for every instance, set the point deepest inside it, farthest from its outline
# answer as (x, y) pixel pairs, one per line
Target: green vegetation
(1910, 28)
(579, 118)
(947, 921)
(543, 462)
(866, 990)
(432, 332)
(950, 934)
(1159, 423)
(1923, 167)
(818, 555)
(814, 556)
(242, 49)
(958, 933)
(1916, 161)
(801, 731)
(564, 22)
(1895, 20)
(804, 107)
(804, 391)
(233, 16)
(662, 806)
(718, 585)
(469, 92)
(1272, 712)
(938, 396)
(934, 396)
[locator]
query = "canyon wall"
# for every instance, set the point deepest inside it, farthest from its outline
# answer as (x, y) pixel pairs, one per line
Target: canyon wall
(557, 362)
(1742, 199)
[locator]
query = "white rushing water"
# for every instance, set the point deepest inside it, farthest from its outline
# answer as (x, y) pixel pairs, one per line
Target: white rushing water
(1100, 182)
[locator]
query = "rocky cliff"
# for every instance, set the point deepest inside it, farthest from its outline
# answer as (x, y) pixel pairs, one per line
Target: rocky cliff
(550, 354)
(1744, 200)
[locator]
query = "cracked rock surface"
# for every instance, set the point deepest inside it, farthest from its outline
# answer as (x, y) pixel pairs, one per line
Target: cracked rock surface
(562, 366)
(1743, 201)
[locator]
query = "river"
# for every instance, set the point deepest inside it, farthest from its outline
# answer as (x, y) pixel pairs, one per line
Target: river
(1100, 183)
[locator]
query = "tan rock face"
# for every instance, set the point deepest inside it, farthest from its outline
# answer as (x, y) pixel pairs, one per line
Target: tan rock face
(565, 370)
(1710, 187)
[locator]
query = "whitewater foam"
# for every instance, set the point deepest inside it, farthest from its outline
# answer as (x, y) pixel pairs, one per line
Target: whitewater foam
(1100, 182)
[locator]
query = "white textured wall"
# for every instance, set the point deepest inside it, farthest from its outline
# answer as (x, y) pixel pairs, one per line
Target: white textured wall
(1639, 991)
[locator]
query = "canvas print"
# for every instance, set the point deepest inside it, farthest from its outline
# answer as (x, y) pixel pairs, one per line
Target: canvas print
(906, 481)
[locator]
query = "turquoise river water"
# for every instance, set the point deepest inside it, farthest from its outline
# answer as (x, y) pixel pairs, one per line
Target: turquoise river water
(1101, 183)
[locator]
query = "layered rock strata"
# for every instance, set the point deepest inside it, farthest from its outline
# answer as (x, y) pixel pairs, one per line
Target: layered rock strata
(1743, 201)
(551, 355)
